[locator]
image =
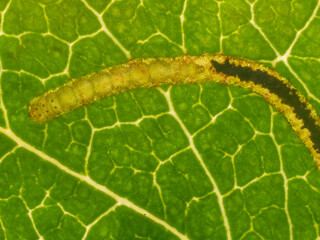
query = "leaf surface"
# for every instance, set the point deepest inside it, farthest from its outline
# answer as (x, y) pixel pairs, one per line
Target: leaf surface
(184, 162)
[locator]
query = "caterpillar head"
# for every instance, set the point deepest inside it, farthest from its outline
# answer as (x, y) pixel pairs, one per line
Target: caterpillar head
(39, 110)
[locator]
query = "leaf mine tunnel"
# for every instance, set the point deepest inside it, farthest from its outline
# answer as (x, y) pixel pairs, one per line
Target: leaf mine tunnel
(151, 72)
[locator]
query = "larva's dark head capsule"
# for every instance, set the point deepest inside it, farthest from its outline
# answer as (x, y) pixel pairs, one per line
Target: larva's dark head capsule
(38, 110)
(34, 111)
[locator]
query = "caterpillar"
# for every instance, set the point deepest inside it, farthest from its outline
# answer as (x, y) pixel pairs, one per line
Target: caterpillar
(151, 72)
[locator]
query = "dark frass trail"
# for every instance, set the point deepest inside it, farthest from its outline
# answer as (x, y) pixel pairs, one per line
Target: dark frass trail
(288, 95)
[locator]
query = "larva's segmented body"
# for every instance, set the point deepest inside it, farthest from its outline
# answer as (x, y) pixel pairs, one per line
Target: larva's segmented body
(152, 72)
(136, 73)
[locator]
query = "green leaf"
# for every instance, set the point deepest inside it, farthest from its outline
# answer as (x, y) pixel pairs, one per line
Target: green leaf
(185, 162)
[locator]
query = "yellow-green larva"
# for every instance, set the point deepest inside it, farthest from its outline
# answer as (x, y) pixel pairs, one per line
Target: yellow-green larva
(151, 72)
